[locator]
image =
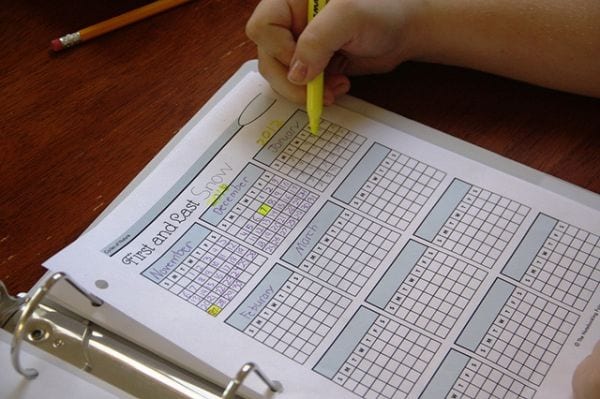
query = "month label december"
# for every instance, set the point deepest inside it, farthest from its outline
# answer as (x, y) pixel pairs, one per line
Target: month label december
(260, 208)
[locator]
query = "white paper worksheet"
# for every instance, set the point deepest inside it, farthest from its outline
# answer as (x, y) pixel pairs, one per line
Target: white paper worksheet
(360, 262)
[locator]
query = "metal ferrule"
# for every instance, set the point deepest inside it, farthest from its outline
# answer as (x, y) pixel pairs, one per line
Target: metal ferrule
(70, 40)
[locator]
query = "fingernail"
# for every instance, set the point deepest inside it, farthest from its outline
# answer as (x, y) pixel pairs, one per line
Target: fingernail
(297, 73)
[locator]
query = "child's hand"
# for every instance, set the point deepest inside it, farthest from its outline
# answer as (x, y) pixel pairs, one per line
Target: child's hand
(352, 36)
(553, 43)
(586, 380)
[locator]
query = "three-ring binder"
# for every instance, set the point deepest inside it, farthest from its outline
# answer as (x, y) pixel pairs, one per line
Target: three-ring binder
(102, 353)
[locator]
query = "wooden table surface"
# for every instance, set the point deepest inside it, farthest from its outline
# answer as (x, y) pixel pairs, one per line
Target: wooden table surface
(79, 125)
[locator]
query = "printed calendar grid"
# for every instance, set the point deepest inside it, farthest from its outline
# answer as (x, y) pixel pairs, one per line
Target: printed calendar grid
(387, 362)
(435, 292)
(481, 225)
(268, 212)
(214, 273)
(397, 190)
(567, 266)
(461, 376)
(316, 160)
(298, 317)
(478, 380)
(352, 248)
(527, 335)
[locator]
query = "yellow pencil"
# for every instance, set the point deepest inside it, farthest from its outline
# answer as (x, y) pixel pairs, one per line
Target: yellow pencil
(117, 22)
(314, 88)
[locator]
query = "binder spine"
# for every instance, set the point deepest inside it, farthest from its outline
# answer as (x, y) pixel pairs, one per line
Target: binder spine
(101, 353)
(30, 306)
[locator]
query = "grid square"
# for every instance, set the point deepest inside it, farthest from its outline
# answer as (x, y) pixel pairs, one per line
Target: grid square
(348, 265)
(316, 160)
(432, 288)
(386, 368)
(475, 229)
(567, 266)
(397, 189)
(293, 329)
(534, 353)
(214, 272)
(268, 212)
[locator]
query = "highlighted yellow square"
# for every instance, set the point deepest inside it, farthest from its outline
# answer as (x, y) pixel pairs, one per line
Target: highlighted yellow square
(213, 310)
(264, 209)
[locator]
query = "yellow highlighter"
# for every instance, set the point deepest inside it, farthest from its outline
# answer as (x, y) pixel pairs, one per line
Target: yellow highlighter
(314, 88)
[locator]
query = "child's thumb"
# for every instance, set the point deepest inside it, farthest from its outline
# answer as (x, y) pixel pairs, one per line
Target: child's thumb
(586, 379)
(327, 33)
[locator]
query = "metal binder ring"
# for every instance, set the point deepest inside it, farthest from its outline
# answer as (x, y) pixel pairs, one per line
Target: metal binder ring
(246, 369)
(30, 305)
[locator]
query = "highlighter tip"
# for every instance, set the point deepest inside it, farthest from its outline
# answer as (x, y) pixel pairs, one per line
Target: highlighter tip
(314, 123)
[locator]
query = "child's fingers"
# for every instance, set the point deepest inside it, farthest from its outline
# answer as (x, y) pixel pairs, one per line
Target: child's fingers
(329, 31)
(276, 73)
(273, 24)
(335, 86)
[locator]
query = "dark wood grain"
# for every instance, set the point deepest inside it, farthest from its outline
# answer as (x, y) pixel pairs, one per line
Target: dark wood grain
(79, 125)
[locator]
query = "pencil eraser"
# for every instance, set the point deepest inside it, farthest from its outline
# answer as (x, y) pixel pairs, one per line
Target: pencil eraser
(56, 45)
